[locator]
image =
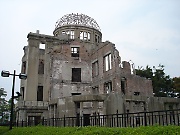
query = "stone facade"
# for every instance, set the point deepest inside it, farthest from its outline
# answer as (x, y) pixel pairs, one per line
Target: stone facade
(76, 73)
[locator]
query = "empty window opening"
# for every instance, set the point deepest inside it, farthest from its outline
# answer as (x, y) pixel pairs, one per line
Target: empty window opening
(86, 119)
(136, 93)
(40, 93)
(95, 69)
(77, 105)
(41, 67)
(123, 84)
(41, 46)
(89, 36)
(97, 39)
(74, 51)
(23, 67)
(76, 74)
(81, 35)
(95, 90)
(72, 34)
(107, 62)
(75, 94)
(69, 32)
(85, 35)
(108, 87)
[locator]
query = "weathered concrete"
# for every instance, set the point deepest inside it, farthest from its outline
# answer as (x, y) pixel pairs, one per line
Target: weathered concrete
(79, 74)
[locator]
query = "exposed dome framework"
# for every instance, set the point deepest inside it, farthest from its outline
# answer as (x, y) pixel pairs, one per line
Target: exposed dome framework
(77, 19)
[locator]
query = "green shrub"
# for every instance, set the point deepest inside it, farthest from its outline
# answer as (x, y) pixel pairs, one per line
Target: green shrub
(41, 130)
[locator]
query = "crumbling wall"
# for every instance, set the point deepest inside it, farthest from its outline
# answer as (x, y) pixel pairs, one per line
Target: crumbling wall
(133, 84)
(63, 63)
(106, 76)
(139, 86)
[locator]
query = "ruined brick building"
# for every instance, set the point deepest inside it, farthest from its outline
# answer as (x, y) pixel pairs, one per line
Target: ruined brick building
(76, 73)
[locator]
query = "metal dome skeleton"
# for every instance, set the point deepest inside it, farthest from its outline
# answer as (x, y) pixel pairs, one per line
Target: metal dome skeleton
(77, 19)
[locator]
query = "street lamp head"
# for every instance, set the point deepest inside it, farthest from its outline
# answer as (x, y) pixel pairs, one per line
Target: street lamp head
(18, 94)
(5, 73)
(22, 76)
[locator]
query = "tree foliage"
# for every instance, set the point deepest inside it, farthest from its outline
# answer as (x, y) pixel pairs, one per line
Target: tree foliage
(4, 106)
(163, 85)
(176, 85)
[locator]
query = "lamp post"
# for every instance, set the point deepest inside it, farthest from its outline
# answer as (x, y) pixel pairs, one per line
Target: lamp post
(21, 76)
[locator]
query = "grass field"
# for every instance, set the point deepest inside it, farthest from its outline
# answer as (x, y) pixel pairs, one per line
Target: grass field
(41, 130)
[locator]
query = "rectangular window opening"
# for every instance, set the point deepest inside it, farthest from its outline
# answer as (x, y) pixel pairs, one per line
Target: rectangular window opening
(40, 93)
(136, 93)
(41, 67)
(76, 74)
(108, 87)
(63, 32)
(89, 36)
(74, 51)
(96, 38)
(41, 46)
(72, 34)
(123, 84)
(24, 67)
(77, 105)
(81, 35)
(107, 62)
(85, 35)
(95, 69)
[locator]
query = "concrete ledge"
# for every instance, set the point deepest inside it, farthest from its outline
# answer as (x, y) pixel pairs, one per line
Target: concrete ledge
(88, 98)
(31, 104)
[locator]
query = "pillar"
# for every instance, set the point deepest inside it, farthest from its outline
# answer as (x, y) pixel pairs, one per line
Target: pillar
(32, 70)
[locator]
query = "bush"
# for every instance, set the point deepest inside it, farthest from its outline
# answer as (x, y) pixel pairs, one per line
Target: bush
(41, 130)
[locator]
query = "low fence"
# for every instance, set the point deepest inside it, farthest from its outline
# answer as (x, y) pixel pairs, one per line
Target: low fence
(4, 124)
(168, 117)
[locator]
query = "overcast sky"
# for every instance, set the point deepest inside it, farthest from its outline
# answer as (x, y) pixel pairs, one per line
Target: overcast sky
(146, 32)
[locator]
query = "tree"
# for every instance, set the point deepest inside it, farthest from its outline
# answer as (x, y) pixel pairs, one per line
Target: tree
(162, 83)
(4, 106)
(176, 85)
(148, 73)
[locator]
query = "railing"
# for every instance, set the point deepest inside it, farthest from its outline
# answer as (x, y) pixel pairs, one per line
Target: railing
(168, 117)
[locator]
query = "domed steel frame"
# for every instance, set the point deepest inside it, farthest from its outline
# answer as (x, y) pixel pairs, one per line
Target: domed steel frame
(77, 19)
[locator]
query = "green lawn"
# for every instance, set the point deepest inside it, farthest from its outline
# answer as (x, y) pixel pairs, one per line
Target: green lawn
(41, 130)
